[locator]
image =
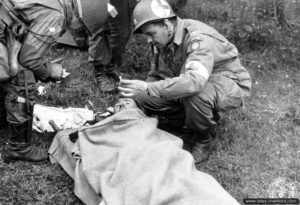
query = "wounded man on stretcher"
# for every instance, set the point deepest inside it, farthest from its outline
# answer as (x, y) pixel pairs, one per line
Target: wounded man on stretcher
(126, 159)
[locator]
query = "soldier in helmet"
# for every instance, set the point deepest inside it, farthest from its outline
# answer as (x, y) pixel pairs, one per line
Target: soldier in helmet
(27, 29)
(195, 73)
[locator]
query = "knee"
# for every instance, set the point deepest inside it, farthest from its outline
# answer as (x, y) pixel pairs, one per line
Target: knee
(26, 62)
(150, 104)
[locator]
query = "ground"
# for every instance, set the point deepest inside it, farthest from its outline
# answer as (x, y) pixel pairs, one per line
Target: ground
(258, 146)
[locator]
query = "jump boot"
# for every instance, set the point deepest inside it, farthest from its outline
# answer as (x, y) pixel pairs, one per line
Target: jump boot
(106, 78)
(203, 145)
(19, 147)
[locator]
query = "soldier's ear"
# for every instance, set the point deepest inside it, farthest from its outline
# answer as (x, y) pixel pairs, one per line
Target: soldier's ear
(168, 25)
(166, 22)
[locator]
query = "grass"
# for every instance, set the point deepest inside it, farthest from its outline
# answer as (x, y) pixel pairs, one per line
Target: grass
(258, 146)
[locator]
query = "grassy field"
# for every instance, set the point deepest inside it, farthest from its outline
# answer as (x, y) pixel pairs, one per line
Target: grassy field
(258, 146)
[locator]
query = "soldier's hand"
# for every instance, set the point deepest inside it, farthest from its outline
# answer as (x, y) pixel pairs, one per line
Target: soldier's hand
(132, 88)
(56, 72)
(22, 4)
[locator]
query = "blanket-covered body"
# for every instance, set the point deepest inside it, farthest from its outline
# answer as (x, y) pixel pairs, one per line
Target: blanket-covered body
(126, 160)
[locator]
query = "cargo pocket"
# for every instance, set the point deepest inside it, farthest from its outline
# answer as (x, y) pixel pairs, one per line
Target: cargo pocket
(230, 103)
(229, 94)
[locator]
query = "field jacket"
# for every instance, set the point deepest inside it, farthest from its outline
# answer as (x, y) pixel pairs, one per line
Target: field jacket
(183, 67)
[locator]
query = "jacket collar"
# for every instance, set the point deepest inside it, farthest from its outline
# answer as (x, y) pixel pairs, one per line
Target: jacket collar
(178, 36)
(179, 32)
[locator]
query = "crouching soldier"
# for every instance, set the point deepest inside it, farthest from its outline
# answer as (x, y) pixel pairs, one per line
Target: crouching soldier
(27, 29)
(195, 74)
(25, 36)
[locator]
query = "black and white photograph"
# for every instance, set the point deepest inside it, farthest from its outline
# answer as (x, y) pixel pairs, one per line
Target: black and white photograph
(149, 102)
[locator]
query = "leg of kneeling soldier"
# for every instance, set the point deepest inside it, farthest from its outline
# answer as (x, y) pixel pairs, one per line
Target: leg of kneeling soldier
(201, 119)
(170, 113)
(220, 94)
(19, 105)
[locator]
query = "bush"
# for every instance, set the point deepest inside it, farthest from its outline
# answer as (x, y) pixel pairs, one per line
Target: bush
(250, 25)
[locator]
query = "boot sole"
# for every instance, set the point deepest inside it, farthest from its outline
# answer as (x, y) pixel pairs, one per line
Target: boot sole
(14, 160)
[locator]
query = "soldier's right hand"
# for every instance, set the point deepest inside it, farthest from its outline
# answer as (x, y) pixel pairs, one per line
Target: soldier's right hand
(56, 72)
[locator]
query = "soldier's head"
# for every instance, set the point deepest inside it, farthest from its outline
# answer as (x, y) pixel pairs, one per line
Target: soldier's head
(156, 19)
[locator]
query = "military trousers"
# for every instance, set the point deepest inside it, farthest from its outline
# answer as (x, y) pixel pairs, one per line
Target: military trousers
(121, 28)
(107, 45)
(200, 112)
(17, 97)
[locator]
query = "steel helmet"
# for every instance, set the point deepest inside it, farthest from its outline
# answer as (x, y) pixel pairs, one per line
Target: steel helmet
(93, 13)
(150, 10)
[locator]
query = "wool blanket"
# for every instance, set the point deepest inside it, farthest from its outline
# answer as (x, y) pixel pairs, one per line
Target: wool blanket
(126, 160)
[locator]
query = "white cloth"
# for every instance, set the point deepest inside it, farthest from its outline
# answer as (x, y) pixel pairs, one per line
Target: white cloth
(64, 118)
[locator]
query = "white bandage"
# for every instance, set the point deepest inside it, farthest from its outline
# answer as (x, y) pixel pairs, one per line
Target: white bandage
(197, 67)
(21, 100)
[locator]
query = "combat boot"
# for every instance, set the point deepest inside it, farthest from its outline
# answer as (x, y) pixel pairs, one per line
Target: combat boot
(203, 145)
(19, 147)
(106, 78)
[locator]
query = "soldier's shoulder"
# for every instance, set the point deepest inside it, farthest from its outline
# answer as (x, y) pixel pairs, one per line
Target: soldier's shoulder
(193, 28)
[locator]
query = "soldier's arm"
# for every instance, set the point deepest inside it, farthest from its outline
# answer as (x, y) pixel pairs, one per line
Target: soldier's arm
(197, 69)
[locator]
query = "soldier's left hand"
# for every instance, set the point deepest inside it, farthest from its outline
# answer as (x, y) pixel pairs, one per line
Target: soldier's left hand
(132, 88)
(22, 4)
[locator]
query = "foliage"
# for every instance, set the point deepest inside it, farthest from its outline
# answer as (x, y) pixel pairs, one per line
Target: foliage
(251, 25)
